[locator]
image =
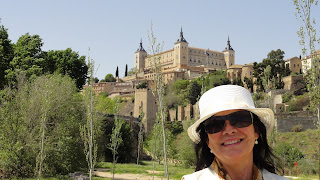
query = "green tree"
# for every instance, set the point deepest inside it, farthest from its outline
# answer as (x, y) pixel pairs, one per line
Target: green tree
(110, 78)
(67, 62)
(126, 71)
(105, 105)
(117, 72)
(27, 57)
(40, 123)
(116, 138)
(132, 71)
(194, 91)
(249, 83)
(6, 54)
(142, 85)
(238, 82)
(288, 153)
(159, 91)
(308, 41)
(277, 72)
(91, 130)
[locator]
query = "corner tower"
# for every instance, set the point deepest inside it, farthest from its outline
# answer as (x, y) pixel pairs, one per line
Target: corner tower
(181, 51)
(229, 54)
(139, 58)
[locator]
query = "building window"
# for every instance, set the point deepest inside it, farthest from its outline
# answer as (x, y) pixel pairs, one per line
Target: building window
(294, 65)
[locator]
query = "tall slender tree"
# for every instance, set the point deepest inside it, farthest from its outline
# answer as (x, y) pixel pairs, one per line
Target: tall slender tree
(6, 54)
(159, 89)
(90, 131)
(126, 72)
(308, 41)
(117, 72)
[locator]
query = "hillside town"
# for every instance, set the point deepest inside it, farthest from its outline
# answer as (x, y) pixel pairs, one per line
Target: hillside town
(187, 63)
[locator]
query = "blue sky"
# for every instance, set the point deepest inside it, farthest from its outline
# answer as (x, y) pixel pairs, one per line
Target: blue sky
(113, 29)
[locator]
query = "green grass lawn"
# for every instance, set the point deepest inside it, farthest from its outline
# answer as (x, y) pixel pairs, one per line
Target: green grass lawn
(145, 167)
(304, 177)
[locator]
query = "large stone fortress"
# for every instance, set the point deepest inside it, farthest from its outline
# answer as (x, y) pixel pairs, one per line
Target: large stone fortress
(183, 62)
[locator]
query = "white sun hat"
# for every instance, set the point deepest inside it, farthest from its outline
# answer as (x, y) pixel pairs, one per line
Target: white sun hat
(228, 97)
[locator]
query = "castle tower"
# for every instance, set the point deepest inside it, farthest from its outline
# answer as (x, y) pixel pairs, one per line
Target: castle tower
(145, 101)
(180, 51)
(229, 54)
(139, 59)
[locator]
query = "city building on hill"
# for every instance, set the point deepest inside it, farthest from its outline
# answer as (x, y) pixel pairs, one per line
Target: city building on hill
(294, 64)
(306, 61)
(183, 61)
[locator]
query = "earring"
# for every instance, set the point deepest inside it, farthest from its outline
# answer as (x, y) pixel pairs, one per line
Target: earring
(211, 151)
(256, 141)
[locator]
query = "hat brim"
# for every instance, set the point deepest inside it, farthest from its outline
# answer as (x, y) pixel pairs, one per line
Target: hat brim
(265, 115)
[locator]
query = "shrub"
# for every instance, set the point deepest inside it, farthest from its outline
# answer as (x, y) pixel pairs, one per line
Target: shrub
(185, 150)
(297, 128)
(288, 153)
(258, 96)
(286, 97)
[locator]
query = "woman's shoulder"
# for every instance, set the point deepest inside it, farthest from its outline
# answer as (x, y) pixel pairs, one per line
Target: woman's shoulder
(271, 176)
(202, 174)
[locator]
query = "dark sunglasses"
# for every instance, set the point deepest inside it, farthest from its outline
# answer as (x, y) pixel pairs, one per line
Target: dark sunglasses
(237, 119)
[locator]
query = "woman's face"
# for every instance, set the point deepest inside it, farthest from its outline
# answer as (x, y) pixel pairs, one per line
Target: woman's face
(232, 144)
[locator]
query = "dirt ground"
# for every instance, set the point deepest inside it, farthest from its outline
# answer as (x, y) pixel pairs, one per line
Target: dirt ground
(127, 176)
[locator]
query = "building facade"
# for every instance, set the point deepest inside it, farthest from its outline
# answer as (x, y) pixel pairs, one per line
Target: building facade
(183, 61)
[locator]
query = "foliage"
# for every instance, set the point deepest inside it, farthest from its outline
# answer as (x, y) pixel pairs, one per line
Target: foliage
(109, 78)
(185, 150)
(271, 77)
(249, 83)
(6, 54)
(307, 33)
(142, 85)
(257, 96)
(297, 128)
(216, 79)
(180, 85)
(66, 62)
(105, 104)
(175, 127)
(238, 82)
(95, 80)
(117, 72)
(132, 71)
(158, 90)
(22, 117)
(27, 57)
(154, 143)
(194, 90)
(126, 146)
(126, 71)
(115, 139)
(91, 130)
(288, 153)
(286, 97)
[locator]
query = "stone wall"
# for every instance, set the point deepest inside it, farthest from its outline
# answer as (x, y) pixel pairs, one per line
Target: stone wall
(286, 121)
(172, 115)
(293, 82)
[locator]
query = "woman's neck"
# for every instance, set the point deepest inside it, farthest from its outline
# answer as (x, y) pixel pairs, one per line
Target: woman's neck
(240, 170)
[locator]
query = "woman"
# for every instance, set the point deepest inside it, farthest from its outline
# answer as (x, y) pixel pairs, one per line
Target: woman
(231, 137)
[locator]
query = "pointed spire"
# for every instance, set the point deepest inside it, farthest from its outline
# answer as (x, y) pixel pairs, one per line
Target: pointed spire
(141, 47)
(228, 45)
(181, 38)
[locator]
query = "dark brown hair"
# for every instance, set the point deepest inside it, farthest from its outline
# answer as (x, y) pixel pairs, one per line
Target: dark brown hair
(263, 156)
